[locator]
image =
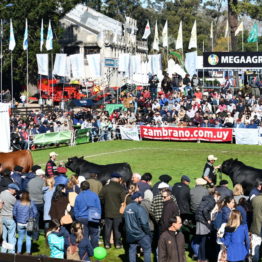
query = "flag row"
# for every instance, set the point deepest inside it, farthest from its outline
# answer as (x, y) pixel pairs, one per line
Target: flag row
(253, 35)
(49, 38)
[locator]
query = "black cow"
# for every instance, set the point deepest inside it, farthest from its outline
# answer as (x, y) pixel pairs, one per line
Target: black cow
(85, 168)
(241, 174)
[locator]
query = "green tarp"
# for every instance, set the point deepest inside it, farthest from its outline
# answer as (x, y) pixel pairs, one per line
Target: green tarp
(111, 107)
(53, 138)
(82, 136)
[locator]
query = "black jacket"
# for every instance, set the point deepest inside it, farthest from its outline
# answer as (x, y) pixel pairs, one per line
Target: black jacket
(203, 212)
(181, 192)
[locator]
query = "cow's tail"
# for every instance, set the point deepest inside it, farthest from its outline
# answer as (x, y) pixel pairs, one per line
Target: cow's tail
(30, 161)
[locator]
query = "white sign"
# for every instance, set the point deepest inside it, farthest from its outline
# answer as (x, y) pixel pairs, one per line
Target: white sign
(129, 133)
(5, 127)
(246, 136)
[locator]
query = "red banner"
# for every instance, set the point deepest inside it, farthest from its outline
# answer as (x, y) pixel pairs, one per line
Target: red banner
(187, 134)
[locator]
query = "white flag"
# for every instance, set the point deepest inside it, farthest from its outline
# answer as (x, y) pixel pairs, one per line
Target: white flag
(42, 62)
(211, 31)
(42, 36)
(60, 66)
(227, 29)
(25, 42)
(147, 31)
(179, 41)
(193, 39)
(12, 37)
(165, 35)
(49, 38)
(156, 39)
(239, 29)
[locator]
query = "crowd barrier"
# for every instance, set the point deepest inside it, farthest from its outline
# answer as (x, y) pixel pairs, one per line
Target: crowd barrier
(24, 258)
(246, 136)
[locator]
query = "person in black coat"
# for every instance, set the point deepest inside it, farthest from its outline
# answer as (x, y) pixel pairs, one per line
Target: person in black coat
(181, 191)
(5, 179)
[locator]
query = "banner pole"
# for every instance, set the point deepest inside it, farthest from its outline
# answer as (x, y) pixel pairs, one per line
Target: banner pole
(52, 81)
(203, 65)
(27, 77)
(242, 40)
(12, 87)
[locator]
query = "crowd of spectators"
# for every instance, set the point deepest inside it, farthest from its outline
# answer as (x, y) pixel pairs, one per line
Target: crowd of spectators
(160, 218)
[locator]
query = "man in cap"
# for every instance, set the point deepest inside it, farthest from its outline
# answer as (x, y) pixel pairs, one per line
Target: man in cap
(163, 178)
(224, 190)
(197, 193)
(209, 170)
(61, 177)
(137, 228)
(35, 190)
(7, 202)
(50, 168)
(17, 175)
(111, 196)
(181, 191)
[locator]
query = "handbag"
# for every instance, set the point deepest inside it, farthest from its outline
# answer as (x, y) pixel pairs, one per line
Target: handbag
(66, 219)
(123, 205)
(30, 225)
(72, 252)
(93, 215)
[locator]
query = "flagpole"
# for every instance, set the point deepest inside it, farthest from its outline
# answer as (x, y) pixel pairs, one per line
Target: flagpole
(12, 87)
(243, 40)
(27, 77)
(203, 65)
(52, 78)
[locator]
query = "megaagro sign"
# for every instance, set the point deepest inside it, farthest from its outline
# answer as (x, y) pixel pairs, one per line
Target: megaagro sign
(232, 59)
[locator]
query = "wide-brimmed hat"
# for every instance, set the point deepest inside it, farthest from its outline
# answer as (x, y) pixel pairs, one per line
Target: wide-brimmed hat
(200, 181)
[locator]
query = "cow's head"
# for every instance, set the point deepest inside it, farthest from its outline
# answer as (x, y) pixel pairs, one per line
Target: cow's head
(227, 166)
(72, 163)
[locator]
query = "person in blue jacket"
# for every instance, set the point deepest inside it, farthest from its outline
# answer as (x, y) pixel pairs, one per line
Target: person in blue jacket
(24, 209)
(84, 203)
(236, 238)
(137, 228)
(229, 204)
(61, 178)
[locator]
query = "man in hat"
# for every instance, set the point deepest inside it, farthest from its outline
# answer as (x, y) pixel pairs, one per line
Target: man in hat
(61, 177)
(111, 196)
(17, 175)
(197, 193)
(7, 202)
(181, 191)
(209, 170)
(50, 168)
(224, 190)
(35, 190)
(163, 178)
(137, 228)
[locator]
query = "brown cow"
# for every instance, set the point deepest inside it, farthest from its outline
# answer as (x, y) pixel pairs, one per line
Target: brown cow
(21, 158)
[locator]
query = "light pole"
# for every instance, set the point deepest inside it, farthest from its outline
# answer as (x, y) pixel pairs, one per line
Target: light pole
(1, 52)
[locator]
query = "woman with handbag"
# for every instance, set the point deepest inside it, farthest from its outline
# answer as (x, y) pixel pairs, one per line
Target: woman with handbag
(236, 239)
(59, 203)
(80, 248)
(24, 213)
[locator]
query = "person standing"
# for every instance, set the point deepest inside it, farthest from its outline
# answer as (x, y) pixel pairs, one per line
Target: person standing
(85, 201)
(181, 191)
(95, 185)
(24, 210)
(236, 238)
(111, 196)
(50, 168)
(7, 202)
(137, 228)
(171, 244)
(224, 190)
(209, 170)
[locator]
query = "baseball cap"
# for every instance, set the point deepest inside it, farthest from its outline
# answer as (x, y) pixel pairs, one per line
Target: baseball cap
(185, 178)
(163, 185)
(200, 181)
(61, 170)
(136, 195)
(211, 157)
(53, 154)
(13, 186)
(40, 172)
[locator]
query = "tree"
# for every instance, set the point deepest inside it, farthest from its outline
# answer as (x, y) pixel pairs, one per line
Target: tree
(34, 11)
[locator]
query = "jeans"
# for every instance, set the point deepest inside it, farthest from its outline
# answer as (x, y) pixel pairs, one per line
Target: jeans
(9, 233)
(115, 224)
(21, 234)
(39, 220)
(91, 231)
(145, 243)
